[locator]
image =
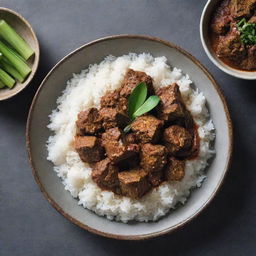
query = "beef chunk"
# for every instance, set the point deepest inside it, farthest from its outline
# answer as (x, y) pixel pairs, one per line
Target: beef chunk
(129, 163)
(110, 99)
(147, 128)
(221, 24)
(116, 150)
(119, 153)
(178, 140)
(187, 121)
(173, 112)
(252, 19)
(251, 58)
(230, 46)
(222, 19)
(250, 62)
(155, 178)
(153, 157)
(124, 155)
(130, 138)
(134, 183)
(113, 145)
(105, 174)
(242, 8)
(123, 104)
(132, 79)
(114, 100)
(175, 169)
(112, 117)
(169, 94)
(89, 122)
(113, 134)
(89, 148)
(171, 107)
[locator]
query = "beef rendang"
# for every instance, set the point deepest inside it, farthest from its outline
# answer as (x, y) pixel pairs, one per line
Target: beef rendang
(154, 150)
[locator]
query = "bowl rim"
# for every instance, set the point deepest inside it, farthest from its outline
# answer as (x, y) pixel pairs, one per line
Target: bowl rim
(232, 71)
(143, 236)
(36, 58)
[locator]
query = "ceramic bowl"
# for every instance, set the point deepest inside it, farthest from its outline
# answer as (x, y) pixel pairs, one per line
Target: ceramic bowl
(45, 101)
(24, 29)
(208, 10)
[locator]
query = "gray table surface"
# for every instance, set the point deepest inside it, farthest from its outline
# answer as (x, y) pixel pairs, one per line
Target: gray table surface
(30, 226)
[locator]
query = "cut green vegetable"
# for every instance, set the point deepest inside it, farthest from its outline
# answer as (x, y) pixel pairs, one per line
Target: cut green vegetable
(15, 40)
(5, 64)
(137, 98)
(6, 79)
(2, 85)
(147, 106)
(15, 61)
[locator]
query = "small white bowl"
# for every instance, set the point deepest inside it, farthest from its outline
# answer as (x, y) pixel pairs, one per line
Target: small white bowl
(204, 34)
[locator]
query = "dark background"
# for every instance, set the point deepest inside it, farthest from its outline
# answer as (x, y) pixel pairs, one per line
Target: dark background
(30, 226)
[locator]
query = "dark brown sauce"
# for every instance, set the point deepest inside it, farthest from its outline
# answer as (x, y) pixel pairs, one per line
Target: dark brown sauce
(196, 144)
(214, 39)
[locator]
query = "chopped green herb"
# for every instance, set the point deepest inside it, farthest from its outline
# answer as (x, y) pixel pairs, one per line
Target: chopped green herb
(247, 31)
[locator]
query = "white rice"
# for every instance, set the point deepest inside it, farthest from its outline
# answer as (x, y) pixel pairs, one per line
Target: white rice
(83, 91)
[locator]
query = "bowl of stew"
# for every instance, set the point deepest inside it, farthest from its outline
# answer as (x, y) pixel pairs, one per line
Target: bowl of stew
(228, 36)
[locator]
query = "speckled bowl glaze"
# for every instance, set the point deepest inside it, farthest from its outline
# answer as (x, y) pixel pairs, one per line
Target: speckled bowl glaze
(23, 28)
(208, 10)
(45, 101)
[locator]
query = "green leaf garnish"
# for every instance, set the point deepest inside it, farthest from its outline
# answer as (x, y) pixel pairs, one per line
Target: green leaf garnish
(241, 22)
(137, 98)
(138, 105)
(148, 105)
(127, 128)
(247, 32)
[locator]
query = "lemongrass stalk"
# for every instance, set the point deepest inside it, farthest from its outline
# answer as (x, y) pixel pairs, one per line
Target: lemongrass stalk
(15, 40)
(5, 64)
(6, 79)
(2, 85)
(15, 61)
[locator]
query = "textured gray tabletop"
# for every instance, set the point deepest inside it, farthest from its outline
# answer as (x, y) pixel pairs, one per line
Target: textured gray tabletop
(30, 226)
